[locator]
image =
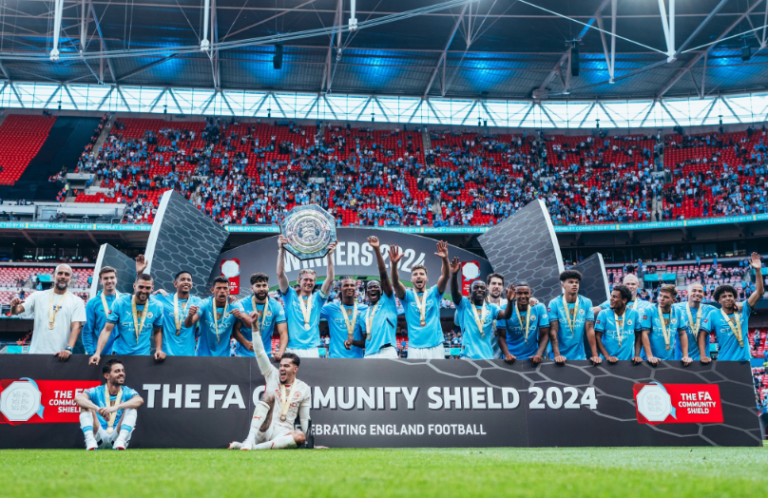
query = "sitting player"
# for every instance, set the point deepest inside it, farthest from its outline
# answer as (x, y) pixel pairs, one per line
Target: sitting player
(285, 398)
(102, 407)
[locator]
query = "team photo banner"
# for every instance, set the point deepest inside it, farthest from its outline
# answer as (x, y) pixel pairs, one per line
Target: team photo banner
(208, 403)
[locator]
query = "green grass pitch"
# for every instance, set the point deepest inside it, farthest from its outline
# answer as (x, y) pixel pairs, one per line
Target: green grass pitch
(593, 472)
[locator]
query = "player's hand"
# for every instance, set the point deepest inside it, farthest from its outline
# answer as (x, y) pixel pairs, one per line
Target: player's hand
(63, 355)
(159, 356)
(394, 254)
(442, 250)
(235, 312)
(596, 360)
(509, 358)
(348, 344)
(560, 359)
(254, 316)
(755, 262)
(537, 359)
(193, 310)
(281, 241)
(636, 360)
(162, 292)
(232, 299)
(249, 345)
(706, 359)
(533, 301)
(141, 264)
(653, 360)
(455, 265)
(278, 356)
(94, 360)
(331, 248)
(510, 294)
(687, 361)
(613, 359)
(373, 241)
(103, 411)
(15, 302)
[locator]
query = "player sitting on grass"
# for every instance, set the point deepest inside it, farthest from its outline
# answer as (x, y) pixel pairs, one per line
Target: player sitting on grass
(285, 398)
(104, 406)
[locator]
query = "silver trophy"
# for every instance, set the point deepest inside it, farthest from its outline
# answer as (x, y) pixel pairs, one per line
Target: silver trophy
(309, 230)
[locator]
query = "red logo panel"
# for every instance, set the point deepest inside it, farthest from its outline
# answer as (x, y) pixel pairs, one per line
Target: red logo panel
(678, 403)
(26, 401)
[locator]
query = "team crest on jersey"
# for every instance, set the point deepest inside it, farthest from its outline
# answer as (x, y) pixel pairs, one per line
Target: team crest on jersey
(629, 322)
(150, 315)
(673, 321)
(581, 312)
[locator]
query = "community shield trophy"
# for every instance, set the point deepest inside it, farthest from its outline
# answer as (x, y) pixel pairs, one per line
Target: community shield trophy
(309, 230)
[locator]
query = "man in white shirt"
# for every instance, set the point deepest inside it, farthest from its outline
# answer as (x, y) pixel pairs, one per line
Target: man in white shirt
(58, 315)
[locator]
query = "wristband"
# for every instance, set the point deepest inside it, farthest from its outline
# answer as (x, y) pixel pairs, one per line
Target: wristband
(69, 348)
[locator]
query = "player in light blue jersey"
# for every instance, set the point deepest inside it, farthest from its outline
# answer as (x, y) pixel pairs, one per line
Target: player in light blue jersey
(695, 314)
(476, 316)
(178, 339)
(663, 326)
(526, 332)
(134, 320)
(379, 322)
(271, 316)
(635, 303)
(618, 330)
(730, 326)
(572, 322)
(218, 318)
(422, 305)
(108, 412)
(302, 307)
(98, 309)
(345, 319)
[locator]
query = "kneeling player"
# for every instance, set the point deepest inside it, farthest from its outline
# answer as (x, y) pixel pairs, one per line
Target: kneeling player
(285, 398)
(102, 407)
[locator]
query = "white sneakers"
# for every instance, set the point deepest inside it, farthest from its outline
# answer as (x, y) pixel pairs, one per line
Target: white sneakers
(245, 446)
(91, 444)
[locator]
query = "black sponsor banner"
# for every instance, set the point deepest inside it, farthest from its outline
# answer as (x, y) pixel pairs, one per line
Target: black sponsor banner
(208, 402)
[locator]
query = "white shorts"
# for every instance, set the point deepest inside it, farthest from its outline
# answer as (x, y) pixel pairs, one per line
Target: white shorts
(436, 353)
(304, 353)
(105, 439)
(386, 352)
(274, 432)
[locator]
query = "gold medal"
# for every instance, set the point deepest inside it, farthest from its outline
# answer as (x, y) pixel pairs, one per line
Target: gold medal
(177, 318)
(421, 304)
(571, 317)
(480, 320)
(138, 327)
(527, 320)
(52, 309)
(113, 415)
(350, 325)
(104, 302)
(216, 317)
(735, 329)
(694, 325)
(264, 312)
(306, 310)
(619, 328)
(285, 398)
(369, 314)
(664, 322)
(423, 323)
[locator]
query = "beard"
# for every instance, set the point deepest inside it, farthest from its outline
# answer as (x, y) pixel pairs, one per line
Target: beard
(61, 285)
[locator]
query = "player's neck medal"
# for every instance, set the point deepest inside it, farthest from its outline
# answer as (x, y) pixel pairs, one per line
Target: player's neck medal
(113, 415)
(527, 320)
(369, 314)
(138, 327)
(104, 302)
(736, 329)
(285, 401)
(479, 320)
(421, 303)
(619, 326)
(52, 310)
(264, 312)
(306, 310)
(571, 318)
(177, 318)
(664, 322)
(694, 325)
(216, 317)
(350, 325)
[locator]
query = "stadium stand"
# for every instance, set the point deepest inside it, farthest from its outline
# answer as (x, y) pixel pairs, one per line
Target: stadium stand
(254, 173)
(21, 137)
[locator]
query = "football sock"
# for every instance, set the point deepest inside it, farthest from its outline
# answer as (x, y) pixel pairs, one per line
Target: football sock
(281, 443)
(259, 415)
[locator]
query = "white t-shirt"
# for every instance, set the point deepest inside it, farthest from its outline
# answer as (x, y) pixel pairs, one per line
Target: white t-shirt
(45, 340)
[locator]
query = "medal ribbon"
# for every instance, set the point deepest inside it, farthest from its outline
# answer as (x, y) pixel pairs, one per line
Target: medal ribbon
(422, 305)
(479, 320)
(138, 327)
(737, 329)
(113, 415)
(664, 330)
(527, 320)
(369, 314)
(52, 309)
(263, 312)
(216, 316)
(176, 318)
(694, 327)
(350, 327)
(104, 302)
(285, 398)
(306, 309)
(571, 323)
(619, 329)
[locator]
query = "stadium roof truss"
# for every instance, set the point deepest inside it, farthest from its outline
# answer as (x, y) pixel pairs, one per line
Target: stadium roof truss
(642, 63)
(435, 111)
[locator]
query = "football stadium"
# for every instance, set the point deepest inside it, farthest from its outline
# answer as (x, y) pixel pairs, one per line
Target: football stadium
(546, 219)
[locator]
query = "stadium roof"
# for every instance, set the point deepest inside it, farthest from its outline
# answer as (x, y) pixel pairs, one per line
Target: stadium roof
(499, 49)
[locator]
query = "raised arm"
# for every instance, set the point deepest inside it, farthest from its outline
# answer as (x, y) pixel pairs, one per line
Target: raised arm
(386, 286)
(442, 253)
(506, 313)
(757, 265)
(282, 278)
(331, 273)
(141, 264)
(455, 291)
(394, 258)
(262, 359)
